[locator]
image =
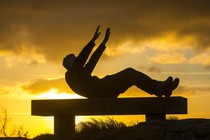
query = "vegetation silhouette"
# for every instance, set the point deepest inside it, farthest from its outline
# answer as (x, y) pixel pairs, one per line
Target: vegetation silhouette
(94, 126)
(88, 129)
(172, 128)
(80, 80)
(16, 131)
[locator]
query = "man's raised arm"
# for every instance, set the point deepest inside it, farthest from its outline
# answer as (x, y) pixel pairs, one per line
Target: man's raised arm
(83, 55)
(97, 54)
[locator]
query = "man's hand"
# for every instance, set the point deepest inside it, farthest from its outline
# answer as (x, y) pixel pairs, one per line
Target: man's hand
(96, 35)
(106, 38)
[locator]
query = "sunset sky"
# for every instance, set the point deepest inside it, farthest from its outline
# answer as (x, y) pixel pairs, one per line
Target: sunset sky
(158, 37)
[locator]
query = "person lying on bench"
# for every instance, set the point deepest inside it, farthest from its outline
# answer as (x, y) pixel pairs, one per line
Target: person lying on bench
(80, 80)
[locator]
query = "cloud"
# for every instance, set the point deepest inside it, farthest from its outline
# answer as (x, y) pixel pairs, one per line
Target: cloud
(44, 85)
(191, 90)
(201, 59)
(55, 28)
(154, 69)
(151, 69)
(168, 58)
(127, 47)
(203, 89)
(27, 56)
(184, 90)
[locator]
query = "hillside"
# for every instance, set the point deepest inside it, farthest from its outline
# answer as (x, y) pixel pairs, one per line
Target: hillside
(189, 129)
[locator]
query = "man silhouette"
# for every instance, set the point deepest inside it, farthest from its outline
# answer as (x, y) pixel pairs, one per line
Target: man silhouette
(80, 80)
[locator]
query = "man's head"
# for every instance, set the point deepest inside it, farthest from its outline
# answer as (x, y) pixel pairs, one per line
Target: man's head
(68, 61)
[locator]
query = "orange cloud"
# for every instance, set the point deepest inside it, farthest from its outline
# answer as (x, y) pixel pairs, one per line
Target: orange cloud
(27, 56)
(43, 85)
(57, 28)
(201, 59)
(168, 58)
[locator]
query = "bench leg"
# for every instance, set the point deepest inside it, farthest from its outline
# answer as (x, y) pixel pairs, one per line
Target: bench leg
(63, 124)
(150, 117)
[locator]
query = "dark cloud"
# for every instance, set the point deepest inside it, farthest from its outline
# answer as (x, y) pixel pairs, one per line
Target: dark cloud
(187, 90)
(184, 90)
(202, 89)
(42, 85)
(55, 28)
(201, 32)
(149, 69)
(154, 69)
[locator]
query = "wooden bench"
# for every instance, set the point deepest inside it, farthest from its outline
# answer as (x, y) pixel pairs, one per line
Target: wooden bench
(65, 110)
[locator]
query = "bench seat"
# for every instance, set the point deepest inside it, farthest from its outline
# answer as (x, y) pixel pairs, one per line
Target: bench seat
(65, 110)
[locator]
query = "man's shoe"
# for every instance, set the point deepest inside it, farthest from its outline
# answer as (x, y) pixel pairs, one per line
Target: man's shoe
(162, 87)
(172, 87)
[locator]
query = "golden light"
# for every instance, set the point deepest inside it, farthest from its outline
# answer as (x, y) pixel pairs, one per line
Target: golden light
(53, 94)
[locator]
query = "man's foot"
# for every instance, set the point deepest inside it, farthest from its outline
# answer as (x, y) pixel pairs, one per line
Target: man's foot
(172, 87)
(162, 87)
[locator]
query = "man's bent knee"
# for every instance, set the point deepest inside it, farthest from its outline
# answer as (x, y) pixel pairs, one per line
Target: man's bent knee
(130, 70)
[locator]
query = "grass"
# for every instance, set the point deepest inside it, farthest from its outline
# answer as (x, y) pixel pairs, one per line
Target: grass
(172, 118)
(84, 130)
(94, 126)
(88, 129)
(94, 130)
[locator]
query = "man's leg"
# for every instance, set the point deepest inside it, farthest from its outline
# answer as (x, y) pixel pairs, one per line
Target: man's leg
(139, 79)
(123, 80)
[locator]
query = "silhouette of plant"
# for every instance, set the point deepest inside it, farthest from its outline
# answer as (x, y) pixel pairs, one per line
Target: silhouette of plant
(87, 129)
(95, 126)
(172, 118)
(15, 132)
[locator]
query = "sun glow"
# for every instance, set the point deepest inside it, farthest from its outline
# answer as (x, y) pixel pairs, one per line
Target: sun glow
(48, 122)
(53, 94)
